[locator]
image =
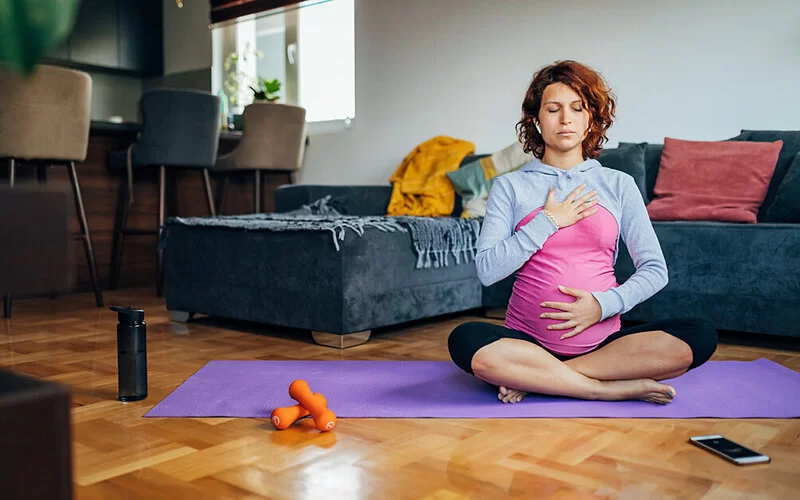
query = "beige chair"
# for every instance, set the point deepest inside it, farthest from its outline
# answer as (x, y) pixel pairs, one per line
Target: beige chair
(44, 121)
(274, 139)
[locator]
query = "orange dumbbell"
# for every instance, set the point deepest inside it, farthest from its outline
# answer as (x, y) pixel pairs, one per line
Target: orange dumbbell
(324, 419)
(283, 417)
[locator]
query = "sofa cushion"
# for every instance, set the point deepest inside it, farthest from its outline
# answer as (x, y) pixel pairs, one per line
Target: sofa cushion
(628, 159)
(786, 205)
(741, 277)
(322, 206)
(718, 181)
(347, 200)
(791, 146)
(652, 160)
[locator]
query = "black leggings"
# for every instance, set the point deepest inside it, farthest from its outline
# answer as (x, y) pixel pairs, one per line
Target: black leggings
(466, 339)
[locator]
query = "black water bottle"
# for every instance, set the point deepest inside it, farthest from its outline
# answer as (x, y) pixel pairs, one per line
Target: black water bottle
(131, 353)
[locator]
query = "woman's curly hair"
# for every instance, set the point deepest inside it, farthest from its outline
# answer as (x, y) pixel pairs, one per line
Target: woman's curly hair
(597, 98)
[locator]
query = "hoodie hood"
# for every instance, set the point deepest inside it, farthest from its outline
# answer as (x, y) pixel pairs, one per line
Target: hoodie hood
(536, 165)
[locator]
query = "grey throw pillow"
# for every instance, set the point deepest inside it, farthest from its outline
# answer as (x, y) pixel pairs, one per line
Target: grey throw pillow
(628, 159)
(791, 146)
(786, 205)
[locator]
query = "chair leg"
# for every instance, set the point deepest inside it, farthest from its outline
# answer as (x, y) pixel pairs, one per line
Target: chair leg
(7, 298)
(11, 172)
(209, 196)
(257, 193)
(87, 237)
(162, 189)
(222, 188)
(120, 228)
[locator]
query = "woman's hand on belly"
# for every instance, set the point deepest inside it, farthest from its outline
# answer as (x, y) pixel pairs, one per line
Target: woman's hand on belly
(579, 315)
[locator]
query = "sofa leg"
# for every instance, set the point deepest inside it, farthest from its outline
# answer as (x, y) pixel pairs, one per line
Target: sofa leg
(341, 341)
(495, 312)
(180, 316)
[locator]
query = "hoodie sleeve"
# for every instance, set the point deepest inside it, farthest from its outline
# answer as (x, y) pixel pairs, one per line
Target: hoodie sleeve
(640, 238)
(501, 250)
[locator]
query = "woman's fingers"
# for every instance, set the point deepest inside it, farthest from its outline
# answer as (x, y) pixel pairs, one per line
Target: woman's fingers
(587, 205)
(563, 306)
(587, 213)
(551, 194)
(587, 196)
(574, 194)
(562, 315)
(572, 333)
(563, 326)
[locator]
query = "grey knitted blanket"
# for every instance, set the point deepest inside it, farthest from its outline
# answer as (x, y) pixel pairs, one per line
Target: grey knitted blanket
(435, 239)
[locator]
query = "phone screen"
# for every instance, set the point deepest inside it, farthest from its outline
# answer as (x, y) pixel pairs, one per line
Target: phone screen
(728, 447)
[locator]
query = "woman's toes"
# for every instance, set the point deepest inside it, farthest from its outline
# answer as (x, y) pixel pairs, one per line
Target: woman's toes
(660, 398)
(503, 390)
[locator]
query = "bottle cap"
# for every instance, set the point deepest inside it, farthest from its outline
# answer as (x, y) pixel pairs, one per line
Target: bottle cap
(128, 314)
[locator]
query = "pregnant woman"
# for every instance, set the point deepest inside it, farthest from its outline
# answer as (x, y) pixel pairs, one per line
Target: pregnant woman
(557, 223)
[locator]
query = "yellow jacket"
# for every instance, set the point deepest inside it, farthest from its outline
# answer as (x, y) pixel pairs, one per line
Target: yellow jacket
(420, 186)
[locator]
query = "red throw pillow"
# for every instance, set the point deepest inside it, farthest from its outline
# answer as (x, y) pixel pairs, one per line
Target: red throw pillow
(718, 181)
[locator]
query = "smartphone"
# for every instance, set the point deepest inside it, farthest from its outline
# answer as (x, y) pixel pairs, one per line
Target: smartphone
(729, 450)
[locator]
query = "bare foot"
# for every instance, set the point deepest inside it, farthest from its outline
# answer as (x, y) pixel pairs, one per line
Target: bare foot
(507, 395)
(643, 389)
(616, 390)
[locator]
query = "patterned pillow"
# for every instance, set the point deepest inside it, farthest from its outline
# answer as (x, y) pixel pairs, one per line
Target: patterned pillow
(473, 181)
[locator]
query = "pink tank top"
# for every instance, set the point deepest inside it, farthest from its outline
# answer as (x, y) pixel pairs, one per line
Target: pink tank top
(579, 256)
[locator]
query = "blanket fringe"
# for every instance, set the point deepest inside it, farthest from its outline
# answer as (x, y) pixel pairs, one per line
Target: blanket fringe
(434, 239)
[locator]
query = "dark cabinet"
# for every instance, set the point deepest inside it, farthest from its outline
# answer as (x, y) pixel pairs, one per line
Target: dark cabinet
(141, 36)
(94, 38)
(120, 36)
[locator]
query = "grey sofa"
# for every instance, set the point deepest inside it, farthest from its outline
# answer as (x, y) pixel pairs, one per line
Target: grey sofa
(742, 277)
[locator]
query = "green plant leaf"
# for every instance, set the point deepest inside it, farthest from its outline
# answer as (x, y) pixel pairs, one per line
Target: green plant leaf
(29, 29)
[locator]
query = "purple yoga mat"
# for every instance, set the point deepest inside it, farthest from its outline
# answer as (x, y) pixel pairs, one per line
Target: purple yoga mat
(438, 389)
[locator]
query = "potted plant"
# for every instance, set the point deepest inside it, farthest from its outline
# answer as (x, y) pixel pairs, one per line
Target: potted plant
(266, 90)
(237, 81)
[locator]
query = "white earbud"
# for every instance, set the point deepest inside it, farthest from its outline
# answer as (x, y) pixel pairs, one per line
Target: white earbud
(537, 127)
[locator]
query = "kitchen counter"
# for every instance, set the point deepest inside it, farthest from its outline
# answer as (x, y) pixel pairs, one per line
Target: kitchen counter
(101, 188)
(100, 126)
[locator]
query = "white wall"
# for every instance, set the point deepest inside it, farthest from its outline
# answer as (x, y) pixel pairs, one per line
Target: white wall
(684, 68)
(115, 95)
(187, 39)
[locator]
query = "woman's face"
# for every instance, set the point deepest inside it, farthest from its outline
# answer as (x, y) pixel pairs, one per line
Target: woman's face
(563, 120)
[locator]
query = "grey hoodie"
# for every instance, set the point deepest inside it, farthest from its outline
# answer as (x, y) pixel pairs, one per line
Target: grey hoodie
(501, 250)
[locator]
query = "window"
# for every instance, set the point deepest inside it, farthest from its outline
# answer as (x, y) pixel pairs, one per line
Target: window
(309, 50)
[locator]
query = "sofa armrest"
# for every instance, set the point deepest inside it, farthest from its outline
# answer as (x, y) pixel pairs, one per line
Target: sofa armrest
(349, 200)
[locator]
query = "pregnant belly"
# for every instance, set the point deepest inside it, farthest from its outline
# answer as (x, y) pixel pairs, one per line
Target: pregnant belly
(538, 282)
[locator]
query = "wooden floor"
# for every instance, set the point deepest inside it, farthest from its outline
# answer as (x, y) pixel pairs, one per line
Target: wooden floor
(118, 454)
